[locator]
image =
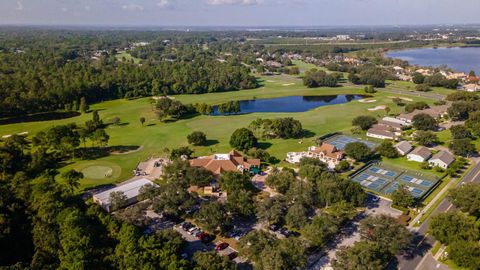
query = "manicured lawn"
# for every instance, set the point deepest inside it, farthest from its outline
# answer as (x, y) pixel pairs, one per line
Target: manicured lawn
(155, 136)
(128, 57)
(403, 162)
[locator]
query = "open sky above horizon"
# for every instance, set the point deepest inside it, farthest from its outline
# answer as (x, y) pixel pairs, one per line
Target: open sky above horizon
(239, 12)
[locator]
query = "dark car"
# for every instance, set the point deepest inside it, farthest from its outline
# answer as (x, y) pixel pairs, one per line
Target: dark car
(221, 246)
(232, 255)
(202, 235)
(207, 239)
(186, 225)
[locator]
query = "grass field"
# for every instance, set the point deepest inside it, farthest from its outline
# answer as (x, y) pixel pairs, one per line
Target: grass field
(128, 57)
(155, 136)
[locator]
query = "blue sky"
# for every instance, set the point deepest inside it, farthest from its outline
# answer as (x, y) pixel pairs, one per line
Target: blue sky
(239, 12)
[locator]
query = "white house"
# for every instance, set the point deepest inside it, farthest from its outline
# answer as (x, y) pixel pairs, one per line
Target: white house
(404, 147)
(472, 87)
(419, 154)
(442, 159)
(131, 189)
(326, 153)
(381, 134)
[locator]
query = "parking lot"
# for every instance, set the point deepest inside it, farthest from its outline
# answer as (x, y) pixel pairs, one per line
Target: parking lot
(194, 244)
(349, 234)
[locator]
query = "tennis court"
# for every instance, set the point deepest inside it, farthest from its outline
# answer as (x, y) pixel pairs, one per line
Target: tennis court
(387, 179)
(340, 141)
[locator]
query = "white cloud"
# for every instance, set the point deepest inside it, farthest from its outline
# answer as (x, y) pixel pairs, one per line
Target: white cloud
(133, 7)
(234, 2)
(163, 3)
(19, 6)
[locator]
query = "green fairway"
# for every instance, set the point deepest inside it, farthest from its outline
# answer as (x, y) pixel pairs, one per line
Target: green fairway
(154, 136)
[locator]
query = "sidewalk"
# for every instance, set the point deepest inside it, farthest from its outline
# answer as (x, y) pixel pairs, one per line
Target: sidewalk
(431, 204)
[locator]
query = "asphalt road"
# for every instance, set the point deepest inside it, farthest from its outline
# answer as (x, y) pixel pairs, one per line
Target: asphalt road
(422, 241)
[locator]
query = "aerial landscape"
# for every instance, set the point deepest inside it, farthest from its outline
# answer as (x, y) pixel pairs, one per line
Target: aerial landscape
(240, 134)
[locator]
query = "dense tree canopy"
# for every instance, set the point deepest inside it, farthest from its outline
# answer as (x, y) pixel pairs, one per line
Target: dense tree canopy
(243, 139)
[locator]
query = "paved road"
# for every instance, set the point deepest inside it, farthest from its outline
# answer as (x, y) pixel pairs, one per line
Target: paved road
(422, 241)
(429, 263)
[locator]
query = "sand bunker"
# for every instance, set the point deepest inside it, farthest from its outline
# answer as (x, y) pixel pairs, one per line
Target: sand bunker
(403, 98)
(288, 84)
(270, 81)
(381, 107)
(367, 100)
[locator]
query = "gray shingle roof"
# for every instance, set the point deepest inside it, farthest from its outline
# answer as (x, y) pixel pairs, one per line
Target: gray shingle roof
(422, 151)
(445, 157)
(404, 146)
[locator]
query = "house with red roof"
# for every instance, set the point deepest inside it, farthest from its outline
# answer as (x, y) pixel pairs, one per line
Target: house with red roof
(220, 163)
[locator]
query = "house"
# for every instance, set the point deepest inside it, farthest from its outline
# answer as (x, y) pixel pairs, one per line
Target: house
(220, 163)
(396, 120)
(326, 153)
(458, 76)
(442, 159)
(404, 147)
(435, 112)
(381, 132)
(131, 189)
(419, 154)
(471, 87)
(393, 126)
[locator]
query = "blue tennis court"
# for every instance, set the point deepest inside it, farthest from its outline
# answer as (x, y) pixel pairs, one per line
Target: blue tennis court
(387, 179)
(380, 171)
(341, 141)
(390, 189)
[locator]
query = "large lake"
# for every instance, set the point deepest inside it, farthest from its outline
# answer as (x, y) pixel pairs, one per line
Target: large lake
(460, 59)
(292, 103)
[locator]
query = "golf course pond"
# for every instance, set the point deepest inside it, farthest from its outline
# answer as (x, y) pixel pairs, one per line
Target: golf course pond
(292, 103)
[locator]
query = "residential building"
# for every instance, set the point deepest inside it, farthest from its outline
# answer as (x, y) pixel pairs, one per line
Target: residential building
(419, 154)
(131, 189)
(381, 132)
(220, 163)
(404, 147)
(442, 159)
(327, 153)
(471, 87)
(396, 120)
(435, 112)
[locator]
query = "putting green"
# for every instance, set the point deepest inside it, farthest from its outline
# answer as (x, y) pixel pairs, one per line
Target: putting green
(97, 172)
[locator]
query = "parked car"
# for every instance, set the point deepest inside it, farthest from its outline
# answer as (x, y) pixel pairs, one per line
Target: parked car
(192, 229)
(284, 231)
(207, 239)
(186, 225)
(274, 227)
(197, 233)
(232, 255)
(202, 235)
(221, 246)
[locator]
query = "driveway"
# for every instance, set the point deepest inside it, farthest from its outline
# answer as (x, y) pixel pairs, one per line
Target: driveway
(259, 182)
